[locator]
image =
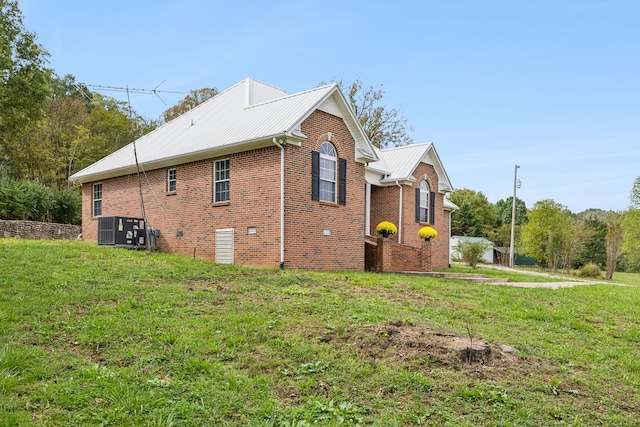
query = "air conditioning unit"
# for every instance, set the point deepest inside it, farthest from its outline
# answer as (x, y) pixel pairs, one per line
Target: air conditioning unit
(122, 232)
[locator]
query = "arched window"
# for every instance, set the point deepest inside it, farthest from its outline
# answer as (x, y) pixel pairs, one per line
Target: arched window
(424, 202)
(328, 175)
(328, 162)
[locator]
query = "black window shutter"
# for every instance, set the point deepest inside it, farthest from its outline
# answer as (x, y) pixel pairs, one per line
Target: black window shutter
(432, 206)
(315, 175)
(342, 172)
(417, 205)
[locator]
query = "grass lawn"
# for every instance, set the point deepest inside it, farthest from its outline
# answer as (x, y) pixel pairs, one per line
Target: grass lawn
(102, 336)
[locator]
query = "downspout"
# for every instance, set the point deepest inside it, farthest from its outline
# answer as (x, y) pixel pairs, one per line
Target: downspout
(281, 147)
(450, 212)
(399, 214)
(367, 209)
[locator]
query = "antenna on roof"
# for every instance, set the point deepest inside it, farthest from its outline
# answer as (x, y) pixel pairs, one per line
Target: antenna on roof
(129, 90)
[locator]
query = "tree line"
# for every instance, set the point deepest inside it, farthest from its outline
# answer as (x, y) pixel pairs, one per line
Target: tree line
(557, 238)
(52, 127)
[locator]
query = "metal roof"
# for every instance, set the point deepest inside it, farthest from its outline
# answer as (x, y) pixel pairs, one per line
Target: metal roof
(473, 239)
(248, 114)
(401, 162)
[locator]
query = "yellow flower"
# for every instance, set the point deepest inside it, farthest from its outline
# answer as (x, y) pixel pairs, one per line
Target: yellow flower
(385, 228)
(427, 233)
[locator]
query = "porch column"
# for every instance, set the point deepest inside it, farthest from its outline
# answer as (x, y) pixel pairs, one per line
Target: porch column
(425, 256)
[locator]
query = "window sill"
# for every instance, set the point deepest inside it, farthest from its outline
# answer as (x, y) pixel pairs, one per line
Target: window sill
(323, 203)
(171, 193)
(217, 204)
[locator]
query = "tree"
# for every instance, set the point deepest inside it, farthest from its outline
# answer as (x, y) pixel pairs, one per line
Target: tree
(385, 127)
(77, 128)
(548, 235)
(476, 217)
(613, 241)
(594, 248)
(635, 194)
(24, 80)
(192, 100)
(501, 235)
(631, 229)
(504, 209)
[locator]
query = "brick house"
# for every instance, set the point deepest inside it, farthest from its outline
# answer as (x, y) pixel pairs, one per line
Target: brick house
(258, 177)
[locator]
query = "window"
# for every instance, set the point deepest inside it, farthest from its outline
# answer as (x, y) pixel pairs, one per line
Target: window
(171, 180)
(97, 199)
(425, 204)
(328, 174)
(221, 181)
(328, 160)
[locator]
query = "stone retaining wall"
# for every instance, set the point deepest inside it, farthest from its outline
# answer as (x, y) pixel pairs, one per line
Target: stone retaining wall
(38, 230)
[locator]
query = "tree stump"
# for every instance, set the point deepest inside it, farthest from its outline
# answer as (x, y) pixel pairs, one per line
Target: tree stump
(476, 354)
(471, 351)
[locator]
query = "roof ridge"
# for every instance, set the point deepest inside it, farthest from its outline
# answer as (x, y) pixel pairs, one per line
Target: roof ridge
(263, 83)
(291, 95)
(407, 146)
(241, 82)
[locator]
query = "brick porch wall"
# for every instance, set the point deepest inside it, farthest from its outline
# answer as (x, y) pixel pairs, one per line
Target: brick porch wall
(387, 255)
(384, 207)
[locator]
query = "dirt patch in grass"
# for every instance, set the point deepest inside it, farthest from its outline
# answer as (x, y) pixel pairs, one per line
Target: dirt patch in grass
(424, 348)
(221, 288)
(400, 294)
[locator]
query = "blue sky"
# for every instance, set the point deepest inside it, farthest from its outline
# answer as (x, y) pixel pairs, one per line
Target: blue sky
(550, 85)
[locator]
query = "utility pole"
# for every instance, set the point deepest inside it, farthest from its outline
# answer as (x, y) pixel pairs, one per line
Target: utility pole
(513, 215)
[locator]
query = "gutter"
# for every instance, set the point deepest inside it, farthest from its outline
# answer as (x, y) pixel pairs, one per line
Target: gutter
(281, 147)
(399, 214)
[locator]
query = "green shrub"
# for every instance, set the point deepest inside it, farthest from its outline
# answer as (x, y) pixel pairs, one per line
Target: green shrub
(13, 199)
(470, 252)
(37, 199)
(24, 199)
(29, 200)
(67, 206)
(589, 270)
